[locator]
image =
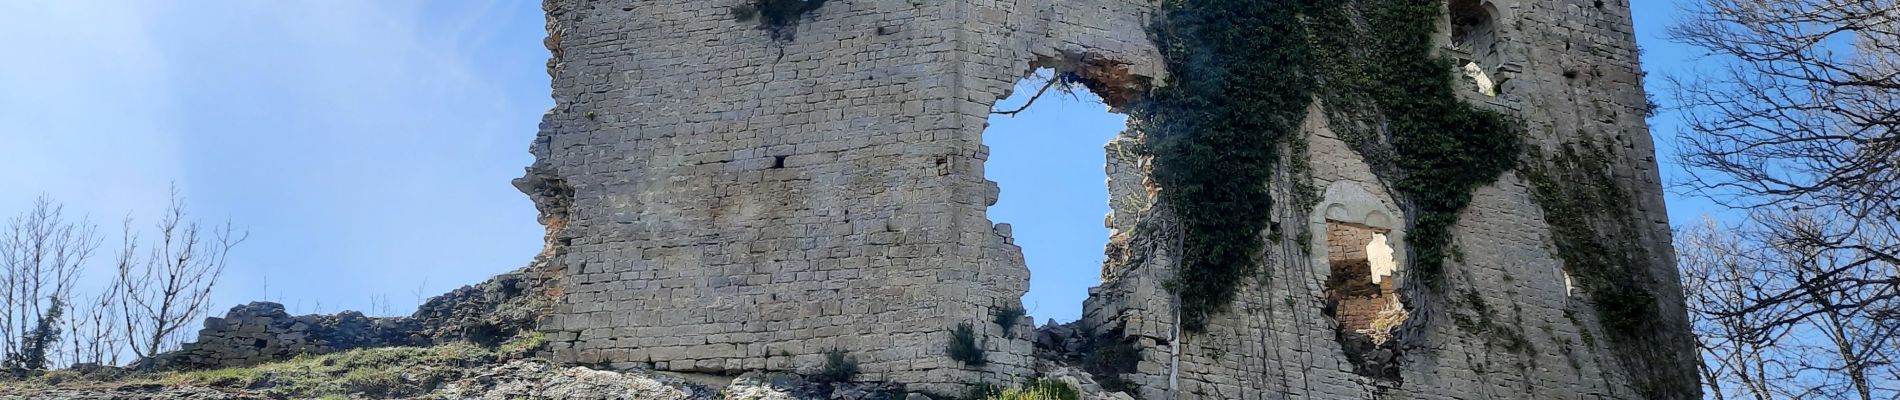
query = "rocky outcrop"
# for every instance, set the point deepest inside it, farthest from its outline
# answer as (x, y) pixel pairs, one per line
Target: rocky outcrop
(786, 386)
(261, 332)
(486, 313)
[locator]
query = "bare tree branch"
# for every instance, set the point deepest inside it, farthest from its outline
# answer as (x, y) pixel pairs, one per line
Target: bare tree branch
(42, 255)
(169, 288)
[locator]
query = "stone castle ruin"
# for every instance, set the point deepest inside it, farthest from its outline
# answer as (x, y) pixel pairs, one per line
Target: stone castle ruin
(745, 185)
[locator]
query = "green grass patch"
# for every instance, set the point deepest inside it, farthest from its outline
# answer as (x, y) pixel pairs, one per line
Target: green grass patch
(381, 372)
(523, 343)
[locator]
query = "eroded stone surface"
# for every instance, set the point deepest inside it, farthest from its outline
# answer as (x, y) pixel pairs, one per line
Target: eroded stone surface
(743, 203)
(723, 201)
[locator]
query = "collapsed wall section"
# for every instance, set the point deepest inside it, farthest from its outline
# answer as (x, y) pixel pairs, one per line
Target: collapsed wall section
(746, 191)
(730, 192)
(1501, 321)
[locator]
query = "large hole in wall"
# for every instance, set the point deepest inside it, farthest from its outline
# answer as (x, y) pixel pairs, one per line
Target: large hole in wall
(1048, 162)
(1362, 295)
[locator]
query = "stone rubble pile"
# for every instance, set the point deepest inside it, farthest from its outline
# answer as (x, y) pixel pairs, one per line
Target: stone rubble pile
(1060, 341)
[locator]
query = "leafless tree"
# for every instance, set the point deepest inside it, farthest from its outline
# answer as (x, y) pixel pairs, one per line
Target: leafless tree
(1803, 112)
(1720, 276)
(168, 287)
(1802, 116)
(42, 254)
(1797, 128)
(96, 334)
(1758, 344)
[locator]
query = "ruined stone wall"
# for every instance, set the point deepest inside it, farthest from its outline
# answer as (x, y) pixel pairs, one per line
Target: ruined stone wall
(486, 313)
(1508, 326)
(726, 196)
(262, 332)
(742, 198)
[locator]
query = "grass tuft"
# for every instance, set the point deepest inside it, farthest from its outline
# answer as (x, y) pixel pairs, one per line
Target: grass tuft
(1039, 389)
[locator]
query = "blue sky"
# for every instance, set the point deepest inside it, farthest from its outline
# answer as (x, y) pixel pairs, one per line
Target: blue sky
(367, 145)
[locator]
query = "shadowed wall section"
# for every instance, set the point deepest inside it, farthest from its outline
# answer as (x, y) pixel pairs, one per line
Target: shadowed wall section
(724, 196)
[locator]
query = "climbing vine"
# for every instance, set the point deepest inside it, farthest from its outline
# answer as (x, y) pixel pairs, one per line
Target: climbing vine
(1593, 222)
(1215, 132)
(1395, 102)
(1246, 72)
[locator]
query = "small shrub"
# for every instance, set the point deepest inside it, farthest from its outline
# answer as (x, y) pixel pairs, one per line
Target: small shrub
(839, 366)
(1007, 317)
(779, 17)
(965, 347)
(1039, 389)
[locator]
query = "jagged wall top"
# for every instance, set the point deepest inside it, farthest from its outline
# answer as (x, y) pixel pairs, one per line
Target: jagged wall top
(724, 197)
(732, 198)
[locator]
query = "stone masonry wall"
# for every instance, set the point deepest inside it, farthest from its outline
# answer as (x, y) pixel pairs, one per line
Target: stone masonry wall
(741, 201)
(1507, 328)
(723, 198)
(262, 332)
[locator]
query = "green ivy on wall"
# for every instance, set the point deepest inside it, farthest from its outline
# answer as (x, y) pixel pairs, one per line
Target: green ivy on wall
(1594, 226)
(1396, 102)
(1245, 73)
(1215, 132)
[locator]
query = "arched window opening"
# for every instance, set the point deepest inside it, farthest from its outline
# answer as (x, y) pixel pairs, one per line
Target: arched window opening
(1362, 296)
(1474, 37)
